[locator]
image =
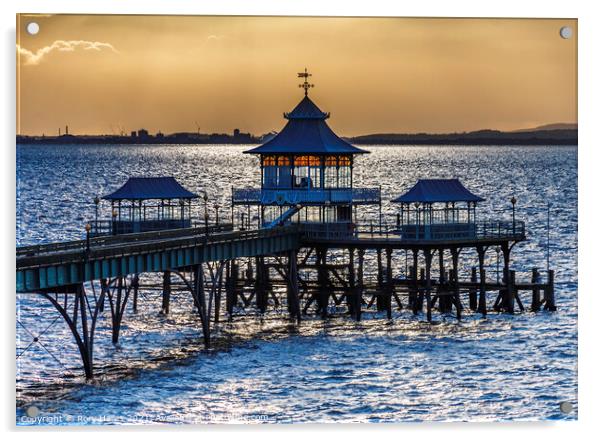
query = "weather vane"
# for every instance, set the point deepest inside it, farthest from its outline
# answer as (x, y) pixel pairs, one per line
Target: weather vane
(305, 84)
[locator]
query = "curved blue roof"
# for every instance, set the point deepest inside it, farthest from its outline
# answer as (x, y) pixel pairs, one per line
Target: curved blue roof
(147, 188)
(306, 133)
(438, 191)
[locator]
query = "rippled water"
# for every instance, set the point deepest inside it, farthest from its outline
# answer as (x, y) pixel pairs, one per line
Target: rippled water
(265, 370)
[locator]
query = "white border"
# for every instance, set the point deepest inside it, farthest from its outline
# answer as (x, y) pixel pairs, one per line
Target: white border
(590, 98)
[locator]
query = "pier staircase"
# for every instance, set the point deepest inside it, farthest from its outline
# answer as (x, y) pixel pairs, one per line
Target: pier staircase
(284, 217)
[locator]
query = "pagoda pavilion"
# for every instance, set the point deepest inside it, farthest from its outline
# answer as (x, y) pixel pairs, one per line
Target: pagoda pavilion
(437, 209)
(306, 172)
(145, 204)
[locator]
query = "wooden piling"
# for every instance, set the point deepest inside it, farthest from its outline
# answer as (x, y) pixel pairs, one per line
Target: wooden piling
(510, 292)
(350, 297)
(261, 295)
(535, 297)
(412, 289)
(323, 292)
(456, 287)
(550, 299)
(166, 292)
(428, 256)
(231, 284)
(420, 300)
(472, 292)
(381, 283)
(135, 286)
(389, 283)
(292, 290)
(482, 280)
(360, 285)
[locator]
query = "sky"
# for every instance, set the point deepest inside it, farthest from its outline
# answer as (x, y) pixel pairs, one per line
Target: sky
(103, 74)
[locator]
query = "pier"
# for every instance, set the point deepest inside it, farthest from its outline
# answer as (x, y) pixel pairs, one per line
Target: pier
(295, 240)
(226, 271)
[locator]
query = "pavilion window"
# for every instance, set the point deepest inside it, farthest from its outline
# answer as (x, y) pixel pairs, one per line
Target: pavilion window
(330, 172)
(314, 171)
(276, 172)
(344, 172)
(301, 171)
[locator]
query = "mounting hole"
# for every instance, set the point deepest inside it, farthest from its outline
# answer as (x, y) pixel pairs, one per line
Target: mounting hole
(566, 32)
(33, 28)
(32, 411)
(566, 407)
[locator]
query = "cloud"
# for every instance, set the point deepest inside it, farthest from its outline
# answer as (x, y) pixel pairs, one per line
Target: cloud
(33, 58)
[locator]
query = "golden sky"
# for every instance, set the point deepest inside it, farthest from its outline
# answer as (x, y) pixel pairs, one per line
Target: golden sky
(107, 73)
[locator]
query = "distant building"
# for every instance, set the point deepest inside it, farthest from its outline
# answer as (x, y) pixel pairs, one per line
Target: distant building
(236, 132)
(133, 135)
(143, 134)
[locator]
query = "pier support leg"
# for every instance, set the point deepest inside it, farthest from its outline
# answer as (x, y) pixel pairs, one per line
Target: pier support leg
(292, 289)
(359, 290)
(510, 292)
(135, 287)
(380, 276)
(507, 296)
(198, 294)
(166, 292)
(441, 287)
(411, 288)
(118, 297)
(428, 257)
(218, 292)
(81, 325)
(413, 295)
(323, 291)
(389, 281)
(231, 285)
(352, 283)
(456, 283)
(104, 283)
(261, 295)
(550, 299)
(482, 280)
(535, 298)
(472, 292)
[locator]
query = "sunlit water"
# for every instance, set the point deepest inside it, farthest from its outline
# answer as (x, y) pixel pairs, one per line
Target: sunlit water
(265, 370)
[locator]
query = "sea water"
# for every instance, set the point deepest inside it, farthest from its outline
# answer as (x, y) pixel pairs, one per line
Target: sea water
(267, 370)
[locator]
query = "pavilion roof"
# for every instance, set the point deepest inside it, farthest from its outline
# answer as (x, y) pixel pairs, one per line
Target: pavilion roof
(438, 191)
(147, 188)
(306, 133)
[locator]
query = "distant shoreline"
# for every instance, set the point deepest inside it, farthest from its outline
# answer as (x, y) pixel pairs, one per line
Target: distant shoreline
(482, 137)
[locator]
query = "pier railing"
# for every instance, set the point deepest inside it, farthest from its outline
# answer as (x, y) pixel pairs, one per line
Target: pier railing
(116, 240)
(293, 196)
(482, 230)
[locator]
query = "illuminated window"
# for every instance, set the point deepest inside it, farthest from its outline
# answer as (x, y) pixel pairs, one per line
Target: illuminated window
(344, 161)
(283, 161)
(300, 161)
(269, 161)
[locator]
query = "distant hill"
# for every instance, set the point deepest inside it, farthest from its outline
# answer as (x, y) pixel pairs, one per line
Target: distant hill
(553, 134)
(557, 126)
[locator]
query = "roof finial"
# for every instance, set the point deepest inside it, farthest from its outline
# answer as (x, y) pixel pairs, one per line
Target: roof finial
(305, 84)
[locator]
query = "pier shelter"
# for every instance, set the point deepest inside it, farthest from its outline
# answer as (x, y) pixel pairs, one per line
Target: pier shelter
(146, 204)
(437, 209)
(306, 172)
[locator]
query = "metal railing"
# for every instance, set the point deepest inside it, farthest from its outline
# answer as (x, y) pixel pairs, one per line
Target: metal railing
(293, 196)
(135, 245)
(112, 240)
(482, 230)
